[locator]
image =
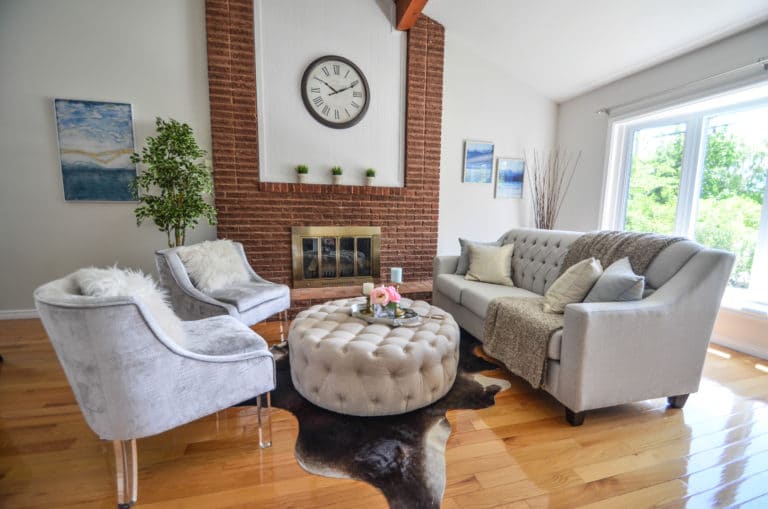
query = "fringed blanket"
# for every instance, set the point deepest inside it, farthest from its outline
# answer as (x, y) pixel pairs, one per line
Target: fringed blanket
(610, 246)
(516, 332)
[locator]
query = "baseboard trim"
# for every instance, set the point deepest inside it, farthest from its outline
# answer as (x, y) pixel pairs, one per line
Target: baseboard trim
(746, 347)
(18, 314)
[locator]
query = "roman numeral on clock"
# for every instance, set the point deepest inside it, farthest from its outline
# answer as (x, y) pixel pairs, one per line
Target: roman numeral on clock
(318, 101)
(326, 110)
(315, 90)
(355, 105)
(357, 94)
(336, 69)
(325, 71)
(336, 114)
(354, 83)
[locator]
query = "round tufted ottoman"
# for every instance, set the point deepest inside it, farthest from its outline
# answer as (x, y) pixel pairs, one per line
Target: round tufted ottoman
(353, 367)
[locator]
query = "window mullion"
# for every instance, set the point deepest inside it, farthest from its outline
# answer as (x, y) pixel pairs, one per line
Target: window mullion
(690, 177)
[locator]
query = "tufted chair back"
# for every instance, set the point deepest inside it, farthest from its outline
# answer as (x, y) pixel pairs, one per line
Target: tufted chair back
(538, 256)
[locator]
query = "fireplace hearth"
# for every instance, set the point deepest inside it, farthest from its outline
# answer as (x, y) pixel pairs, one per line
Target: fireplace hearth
(335, 255)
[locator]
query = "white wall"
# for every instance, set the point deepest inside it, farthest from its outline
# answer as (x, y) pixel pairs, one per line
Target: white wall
(292, 33)
(580, 128)
(483, 102)
(146, 52)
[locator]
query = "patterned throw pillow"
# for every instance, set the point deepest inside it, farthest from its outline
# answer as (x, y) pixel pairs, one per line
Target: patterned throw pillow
(572, 286)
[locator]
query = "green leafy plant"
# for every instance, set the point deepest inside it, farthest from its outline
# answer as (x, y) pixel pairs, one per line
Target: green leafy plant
(336, 170)
(170, 190)
(302, 169)
(370, 172)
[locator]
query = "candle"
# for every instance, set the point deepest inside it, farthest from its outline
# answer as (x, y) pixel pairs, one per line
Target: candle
(396, 275)
(367, 288)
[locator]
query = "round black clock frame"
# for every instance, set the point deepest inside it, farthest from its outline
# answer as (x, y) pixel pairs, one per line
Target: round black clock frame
(305, 98)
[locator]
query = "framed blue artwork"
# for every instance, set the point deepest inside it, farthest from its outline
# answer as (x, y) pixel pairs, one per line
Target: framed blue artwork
(95, 147)
(478, 161)
(509, 177)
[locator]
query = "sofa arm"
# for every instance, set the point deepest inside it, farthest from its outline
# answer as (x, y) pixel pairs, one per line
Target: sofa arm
(444, 265)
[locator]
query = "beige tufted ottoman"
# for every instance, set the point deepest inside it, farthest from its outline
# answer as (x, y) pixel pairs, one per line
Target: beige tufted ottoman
(353, 367)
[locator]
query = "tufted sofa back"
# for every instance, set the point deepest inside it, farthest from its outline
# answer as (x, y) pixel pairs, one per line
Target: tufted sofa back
(538, 256)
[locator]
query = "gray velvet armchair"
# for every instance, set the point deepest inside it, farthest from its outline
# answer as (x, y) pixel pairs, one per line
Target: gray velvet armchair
(250, 302)
(131, 380)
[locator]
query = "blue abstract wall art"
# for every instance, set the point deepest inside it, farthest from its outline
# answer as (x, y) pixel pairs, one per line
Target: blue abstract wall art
(95, 146)
(478, 161)
(509, 178)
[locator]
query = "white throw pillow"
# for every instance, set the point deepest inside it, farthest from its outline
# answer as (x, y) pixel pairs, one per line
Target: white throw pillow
(572, 286)
(490, 264)
(116, 282)
(213, 265)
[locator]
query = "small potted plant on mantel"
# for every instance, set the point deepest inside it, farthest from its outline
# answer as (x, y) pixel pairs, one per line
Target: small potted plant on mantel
(336, 172)
(301, 173)
(370, 175)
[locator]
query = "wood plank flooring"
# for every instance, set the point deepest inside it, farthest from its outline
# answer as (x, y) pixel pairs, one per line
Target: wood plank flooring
(519, 454)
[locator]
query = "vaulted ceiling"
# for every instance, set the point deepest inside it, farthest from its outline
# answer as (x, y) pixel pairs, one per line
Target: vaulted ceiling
(563, 48)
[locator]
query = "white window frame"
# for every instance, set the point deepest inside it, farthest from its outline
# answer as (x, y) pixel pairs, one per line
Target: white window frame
(621, 140)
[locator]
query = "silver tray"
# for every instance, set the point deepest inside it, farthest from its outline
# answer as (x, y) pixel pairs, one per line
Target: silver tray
(409, 318)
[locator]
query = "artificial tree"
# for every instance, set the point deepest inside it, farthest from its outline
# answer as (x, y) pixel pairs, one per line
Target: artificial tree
(171, 189)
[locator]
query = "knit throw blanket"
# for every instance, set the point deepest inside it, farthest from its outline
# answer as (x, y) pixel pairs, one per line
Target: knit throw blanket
(610, 246)
(516, 332)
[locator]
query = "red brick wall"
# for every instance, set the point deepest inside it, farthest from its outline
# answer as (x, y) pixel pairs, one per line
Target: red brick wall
(261, 214)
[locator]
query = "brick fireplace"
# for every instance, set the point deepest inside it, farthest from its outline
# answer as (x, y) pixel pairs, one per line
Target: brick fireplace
(261, 214)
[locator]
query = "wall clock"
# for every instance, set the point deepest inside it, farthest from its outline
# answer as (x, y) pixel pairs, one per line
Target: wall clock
(335, 92)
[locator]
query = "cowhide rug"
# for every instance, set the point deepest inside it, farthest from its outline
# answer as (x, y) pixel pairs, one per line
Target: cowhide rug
(402, 455)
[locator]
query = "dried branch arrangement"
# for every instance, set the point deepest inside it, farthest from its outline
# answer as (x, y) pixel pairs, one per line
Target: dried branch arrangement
(549, 178)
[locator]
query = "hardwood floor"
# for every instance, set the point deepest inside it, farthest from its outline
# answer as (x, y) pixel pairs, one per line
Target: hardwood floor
(518, 454)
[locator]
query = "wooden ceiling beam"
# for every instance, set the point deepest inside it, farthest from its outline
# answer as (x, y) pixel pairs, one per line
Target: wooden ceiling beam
(408, 12)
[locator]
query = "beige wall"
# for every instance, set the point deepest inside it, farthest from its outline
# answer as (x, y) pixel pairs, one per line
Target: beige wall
(146, 52)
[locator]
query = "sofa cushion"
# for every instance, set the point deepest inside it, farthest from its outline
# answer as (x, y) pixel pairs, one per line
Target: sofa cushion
(617, 284)
(477, 298)
(463, 265)
(572, 286)
(555, 343)
(222, 335)
(491, 264)
(245, 296)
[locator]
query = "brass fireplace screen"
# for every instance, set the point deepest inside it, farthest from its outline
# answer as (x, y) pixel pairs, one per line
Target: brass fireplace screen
(335, 255)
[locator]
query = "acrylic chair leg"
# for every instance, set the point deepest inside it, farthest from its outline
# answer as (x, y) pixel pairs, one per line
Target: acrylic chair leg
(283, 319)
(126, 466)
(265, 420)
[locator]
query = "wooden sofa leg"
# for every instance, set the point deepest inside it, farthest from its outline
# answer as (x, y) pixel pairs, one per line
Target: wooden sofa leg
(677, 401)
(574, 418)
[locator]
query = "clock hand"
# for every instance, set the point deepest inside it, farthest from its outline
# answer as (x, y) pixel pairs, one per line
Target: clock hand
(327, 85)
(342, 90)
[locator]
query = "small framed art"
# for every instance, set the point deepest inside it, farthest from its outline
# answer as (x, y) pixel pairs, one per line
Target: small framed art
(478, 161)
(509, 177)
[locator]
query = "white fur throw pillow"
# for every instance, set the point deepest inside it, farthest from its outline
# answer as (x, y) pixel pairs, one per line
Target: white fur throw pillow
(116, 282)
(213, 265)
(572, 286)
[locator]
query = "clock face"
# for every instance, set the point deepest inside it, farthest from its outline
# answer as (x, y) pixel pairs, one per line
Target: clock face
(335, 92)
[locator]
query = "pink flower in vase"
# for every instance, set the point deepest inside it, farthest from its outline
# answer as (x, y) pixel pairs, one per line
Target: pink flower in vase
(380, 296)
(392, 294)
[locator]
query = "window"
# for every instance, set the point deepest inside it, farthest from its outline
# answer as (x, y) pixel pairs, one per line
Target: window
(698, 170)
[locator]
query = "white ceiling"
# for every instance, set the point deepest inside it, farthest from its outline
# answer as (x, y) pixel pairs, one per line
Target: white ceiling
(563, 48)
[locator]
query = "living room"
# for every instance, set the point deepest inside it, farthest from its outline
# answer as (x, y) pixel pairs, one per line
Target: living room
(590, 81)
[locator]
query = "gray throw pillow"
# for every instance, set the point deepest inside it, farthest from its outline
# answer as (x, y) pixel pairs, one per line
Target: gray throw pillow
(617, 284)
(463, 266)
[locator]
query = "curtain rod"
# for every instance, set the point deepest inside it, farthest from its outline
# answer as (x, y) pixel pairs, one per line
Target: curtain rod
(762, 61)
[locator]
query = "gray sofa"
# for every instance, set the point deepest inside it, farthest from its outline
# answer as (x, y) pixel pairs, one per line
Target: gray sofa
(607, 353)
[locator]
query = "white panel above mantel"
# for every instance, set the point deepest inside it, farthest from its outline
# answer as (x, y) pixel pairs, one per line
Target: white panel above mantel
(290, 34)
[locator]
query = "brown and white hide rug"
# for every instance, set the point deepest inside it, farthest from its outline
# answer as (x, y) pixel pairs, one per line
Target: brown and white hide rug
(402, 455)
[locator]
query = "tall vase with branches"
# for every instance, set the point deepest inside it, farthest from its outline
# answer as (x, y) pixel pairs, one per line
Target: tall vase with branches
(171, 189)
(550, 176)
